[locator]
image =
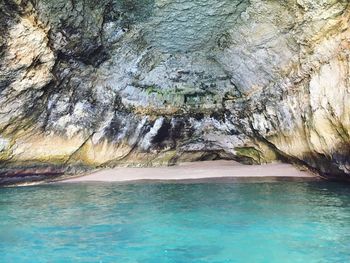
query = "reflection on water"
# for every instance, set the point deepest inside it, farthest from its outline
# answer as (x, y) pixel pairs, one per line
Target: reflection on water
(237, 222)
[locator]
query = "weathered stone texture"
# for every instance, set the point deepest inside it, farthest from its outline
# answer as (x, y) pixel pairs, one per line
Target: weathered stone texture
(103, 83)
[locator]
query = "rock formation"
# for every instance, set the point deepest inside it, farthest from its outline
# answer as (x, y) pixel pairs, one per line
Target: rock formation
(99, 83)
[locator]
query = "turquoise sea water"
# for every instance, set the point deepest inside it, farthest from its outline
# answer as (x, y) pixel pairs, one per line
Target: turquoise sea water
(217, 222)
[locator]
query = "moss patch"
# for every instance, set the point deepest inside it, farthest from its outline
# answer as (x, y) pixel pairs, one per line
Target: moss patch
(249, 155)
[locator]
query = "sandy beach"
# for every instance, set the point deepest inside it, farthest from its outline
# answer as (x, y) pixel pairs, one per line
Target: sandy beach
(195, 171)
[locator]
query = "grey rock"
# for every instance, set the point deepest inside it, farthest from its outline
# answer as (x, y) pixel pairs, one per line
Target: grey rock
(86, 84)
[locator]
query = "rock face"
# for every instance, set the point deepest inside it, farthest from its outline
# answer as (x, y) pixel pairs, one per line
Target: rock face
(89, 83)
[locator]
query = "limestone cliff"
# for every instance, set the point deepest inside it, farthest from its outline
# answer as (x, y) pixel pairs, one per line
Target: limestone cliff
(95, 83)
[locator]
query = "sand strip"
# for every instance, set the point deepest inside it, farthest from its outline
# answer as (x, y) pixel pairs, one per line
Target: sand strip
(191, 171)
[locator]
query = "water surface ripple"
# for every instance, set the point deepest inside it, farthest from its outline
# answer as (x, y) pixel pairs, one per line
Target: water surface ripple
(200, 222)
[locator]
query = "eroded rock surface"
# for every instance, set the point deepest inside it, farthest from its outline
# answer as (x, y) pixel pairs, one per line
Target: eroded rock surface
(123, 82)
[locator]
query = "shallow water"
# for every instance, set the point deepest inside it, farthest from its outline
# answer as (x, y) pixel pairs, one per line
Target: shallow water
(216, 222)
